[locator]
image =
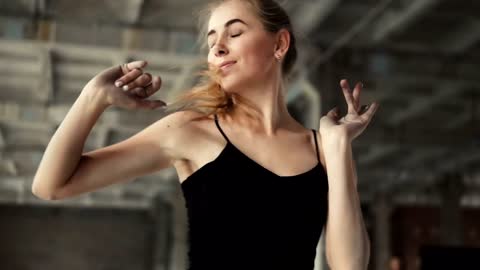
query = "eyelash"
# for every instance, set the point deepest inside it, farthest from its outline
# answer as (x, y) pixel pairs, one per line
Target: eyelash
(233, 36)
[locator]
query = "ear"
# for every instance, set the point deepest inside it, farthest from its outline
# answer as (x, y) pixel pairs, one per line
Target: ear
(282, 42)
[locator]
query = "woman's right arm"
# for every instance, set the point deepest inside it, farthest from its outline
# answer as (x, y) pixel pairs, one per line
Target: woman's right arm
(65, 171)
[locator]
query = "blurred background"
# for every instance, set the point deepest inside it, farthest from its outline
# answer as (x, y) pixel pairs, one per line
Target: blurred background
(418, 161)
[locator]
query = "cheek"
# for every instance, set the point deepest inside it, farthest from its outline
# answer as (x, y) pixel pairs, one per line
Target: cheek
(258, 58)
(256, 53)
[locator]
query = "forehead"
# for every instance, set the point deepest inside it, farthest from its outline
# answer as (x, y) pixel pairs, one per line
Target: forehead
(231, 10)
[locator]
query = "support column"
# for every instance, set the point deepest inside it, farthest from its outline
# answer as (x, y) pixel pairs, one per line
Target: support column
(45, 30)
(45, 88)
(132, 38)
(382, 210)
(451, 189)
(161, 233)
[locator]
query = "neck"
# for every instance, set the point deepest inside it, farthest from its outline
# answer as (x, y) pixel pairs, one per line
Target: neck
(269, 99)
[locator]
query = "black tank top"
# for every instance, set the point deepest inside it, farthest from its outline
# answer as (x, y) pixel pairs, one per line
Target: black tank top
(243, 216)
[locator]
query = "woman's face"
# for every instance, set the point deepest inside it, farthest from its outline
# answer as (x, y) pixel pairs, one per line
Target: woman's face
(237, 40)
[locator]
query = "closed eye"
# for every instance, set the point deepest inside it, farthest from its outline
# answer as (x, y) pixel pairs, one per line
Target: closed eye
(233, 36)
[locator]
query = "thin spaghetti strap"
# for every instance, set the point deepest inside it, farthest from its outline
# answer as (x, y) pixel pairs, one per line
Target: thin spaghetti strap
(220, 129)
(316, 144)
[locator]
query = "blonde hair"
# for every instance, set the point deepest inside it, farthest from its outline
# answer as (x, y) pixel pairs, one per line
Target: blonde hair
(208, 97)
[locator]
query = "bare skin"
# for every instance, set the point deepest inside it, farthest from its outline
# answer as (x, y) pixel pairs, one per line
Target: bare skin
(175, 140)
(65, 171)
(282, 145)
(235, 34)
(295, 148)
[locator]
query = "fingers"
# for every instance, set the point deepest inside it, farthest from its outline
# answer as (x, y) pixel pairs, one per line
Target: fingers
(128, 77)
(141, 80)
(352, 97)
(368, 115)
(330, 118)
(148, 89)
(155, 84)
(127, 67)
(348, 96)
(334, 113)
(356, 96)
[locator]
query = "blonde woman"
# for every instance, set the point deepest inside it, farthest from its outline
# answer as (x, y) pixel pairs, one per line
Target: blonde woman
(259, 187)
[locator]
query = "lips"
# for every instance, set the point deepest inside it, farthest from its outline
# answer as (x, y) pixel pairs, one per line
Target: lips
(226, 64)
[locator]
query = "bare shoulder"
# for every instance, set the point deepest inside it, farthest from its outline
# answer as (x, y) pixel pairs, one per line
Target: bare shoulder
(181, 119)
(193, 141)
(179, 131)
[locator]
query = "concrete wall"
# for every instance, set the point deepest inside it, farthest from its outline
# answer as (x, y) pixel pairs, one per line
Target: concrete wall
(36, 237)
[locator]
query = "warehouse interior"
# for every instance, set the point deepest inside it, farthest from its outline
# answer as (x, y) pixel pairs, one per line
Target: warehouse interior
(418, 162)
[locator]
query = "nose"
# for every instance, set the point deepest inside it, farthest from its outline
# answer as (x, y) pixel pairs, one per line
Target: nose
(220, 49)
(220, 52)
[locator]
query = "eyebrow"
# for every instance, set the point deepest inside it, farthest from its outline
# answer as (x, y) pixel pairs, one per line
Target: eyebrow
(227, 24)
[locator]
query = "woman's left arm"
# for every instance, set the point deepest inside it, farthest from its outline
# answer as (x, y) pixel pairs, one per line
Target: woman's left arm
(347, 241)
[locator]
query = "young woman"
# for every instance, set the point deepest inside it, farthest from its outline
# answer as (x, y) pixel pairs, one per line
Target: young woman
(254, 180)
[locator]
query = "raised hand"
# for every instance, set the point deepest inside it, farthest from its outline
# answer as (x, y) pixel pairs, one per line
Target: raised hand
(354, 122)
(126, 86)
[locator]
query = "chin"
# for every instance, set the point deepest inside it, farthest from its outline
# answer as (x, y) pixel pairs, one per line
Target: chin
(230, 84)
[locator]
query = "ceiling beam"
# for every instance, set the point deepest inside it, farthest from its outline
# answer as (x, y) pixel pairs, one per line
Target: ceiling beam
(394, 21)
(311, 14)
(463, 37)
(418, 178)
(415, 137)
(377, 152)
(423, 154)
(420, 105)
(357, 28)
(468, 116)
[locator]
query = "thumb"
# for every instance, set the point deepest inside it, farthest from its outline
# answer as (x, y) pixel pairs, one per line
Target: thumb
(150, 104)
(329, 119)
(111, 72)
(333, 113)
